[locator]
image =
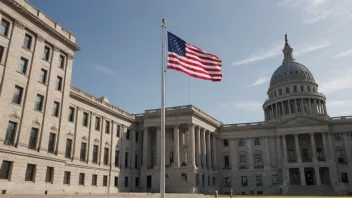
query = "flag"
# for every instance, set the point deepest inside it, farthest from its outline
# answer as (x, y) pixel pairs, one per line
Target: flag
(191, 60)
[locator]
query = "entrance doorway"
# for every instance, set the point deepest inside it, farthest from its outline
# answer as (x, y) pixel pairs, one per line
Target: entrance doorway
(294, 176)
(309, 175)
(149, 181)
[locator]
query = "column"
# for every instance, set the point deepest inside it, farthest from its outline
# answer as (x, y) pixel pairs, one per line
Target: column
(191, 147)
(198, 148)
(324, 145)
(303, 106)
(324, 105)
(204, 159)
(158, 147)
(176, 147)
(278, 149)
(250, 153)
(208, 150)
(331, 148)
(213, 149)
(276, 110)
(285, 148)
(317, 176)
(289, 107)
(282, 108)
(310, 106)
(272, 111)
(145, 148)
(347, 147)
(133, 153)
(266, 115)
(303, 177)
(315, 106)
(298, 153)
(295, 102)
(233, 152)
(267, 161)
(314, 149)
(320, 107)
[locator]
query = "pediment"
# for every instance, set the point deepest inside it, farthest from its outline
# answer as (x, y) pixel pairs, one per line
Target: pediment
(302, 121)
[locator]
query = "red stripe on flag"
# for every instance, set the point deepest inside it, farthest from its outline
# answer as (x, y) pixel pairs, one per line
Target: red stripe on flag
(193, 75)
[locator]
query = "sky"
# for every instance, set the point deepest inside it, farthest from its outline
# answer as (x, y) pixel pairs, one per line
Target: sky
(120, 55)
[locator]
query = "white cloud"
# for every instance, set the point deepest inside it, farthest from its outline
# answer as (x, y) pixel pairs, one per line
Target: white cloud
(339, 107)
(338, 83)
(312, 48)
(250, 106)
(260, 81)
(344, 53)
(103, 69)
(225, 105)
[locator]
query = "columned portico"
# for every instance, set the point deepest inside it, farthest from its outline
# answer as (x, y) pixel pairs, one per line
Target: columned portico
(176, 131)
(298, 153)
(314, 150)
(208, 150)
(191, 146)
(214, 153)
(203, 148)
(198, 148)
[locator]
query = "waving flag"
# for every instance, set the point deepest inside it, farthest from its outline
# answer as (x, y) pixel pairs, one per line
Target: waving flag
(191, 60)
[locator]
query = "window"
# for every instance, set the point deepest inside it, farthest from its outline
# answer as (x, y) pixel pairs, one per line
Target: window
(226, 142)
(243, 161)
(244, 181)
(259, 180)
(4, 27)
(105, 180)
(126, 182)
(117, 153)
(106, 156)
(319, 154)
(337, 136)
(209, 180)
(280, 92)
(287, 90)
(22, 67)
(226, 161)
(68, 148)
(46, 53)
(340, 155)
(259, 192)
(126, 159)
(214, 181)
(171, 157)
(97, 123)
(85, 119)
(118, 131)
(83, 151)
(1, 52)
(256, 141)
(10, 133)
(313, 89)
(241, 142)
(136, 161)
(128, 134)
(58, 83)
(258, 161)
(149, 181)
(94, 180)
(107, 127)
(49, 174)
(95, 153)
(38, 103)
(227, 182)
(33, 138)
(294, 89)
(302, 88)
(305, 155)
(116, 182)
(51, 145)
(291, 155)
(27, 41)
(197, 179)
(67, 177)
(274, 179)
(17, 95)
(137, 136)
(30, 172)
(61, 62)
(308, 88)
(56, 109)
(42, 77)
(71, 114)
(344, 178)
(136, 182)
(81, 179)
(5, 169)
(203, 178)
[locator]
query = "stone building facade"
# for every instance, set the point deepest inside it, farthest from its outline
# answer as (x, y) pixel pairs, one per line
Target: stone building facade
(58, 139)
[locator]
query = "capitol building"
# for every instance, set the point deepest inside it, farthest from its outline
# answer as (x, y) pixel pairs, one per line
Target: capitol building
(58, 139)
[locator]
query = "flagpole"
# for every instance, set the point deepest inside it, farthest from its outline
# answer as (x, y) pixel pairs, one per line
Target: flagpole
(162, 119)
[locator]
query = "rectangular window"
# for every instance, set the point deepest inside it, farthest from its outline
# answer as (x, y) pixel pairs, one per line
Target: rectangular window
(256, 141)
(46, 53)
(116, 182)
(42, 77)
(136, 161)
(94, 180)
(337, 136)
(30, 172)
(5, 169)
(1, 53)
(85, 119)
(291, 155)
(117, 153)
(344, 178)
(226, 142)
(302, 88)
(67, 177)
(56, 109)
(243, 161)
(126, 159)
(97, 123)
(95, 153)
(274, 179)
(68, 148)
(33, 138)
(17, 95)
(106, 156)
(61, 62)
(128, 134)
(27, 41)
(258, 161)
(305, 155)
(10, 133)
(118, 131)
(22, 67)
(136, 182)
(214, 181)
(83, 151)
(136, 137)
(226, 161)
(294, 89)
(259, 180)
(287, 90)
(319, 154)
(4, 27)
(71, 114)
(340, 156)
(308, 88)
(51, 146)
(171, 157)
(81, 179)
(58, 83)
(244, 181)
(280, 92)
(105, 180)
(107, 127)
(38, 103)
(49, 174)
(227, 182)
(241, 142)
(126, 182)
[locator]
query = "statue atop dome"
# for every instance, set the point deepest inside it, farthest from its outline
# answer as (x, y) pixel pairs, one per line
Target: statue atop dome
(287, 51)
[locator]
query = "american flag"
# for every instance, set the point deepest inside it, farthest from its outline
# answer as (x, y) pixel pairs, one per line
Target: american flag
(191, 60)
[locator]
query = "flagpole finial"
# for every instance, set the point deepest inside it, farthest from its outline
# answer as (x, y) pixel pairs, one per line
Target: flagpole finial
(163, 22)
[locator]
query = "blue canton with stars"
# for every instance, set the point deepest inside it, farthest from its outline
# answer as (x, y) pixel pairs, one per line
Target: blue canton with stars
(176, 45)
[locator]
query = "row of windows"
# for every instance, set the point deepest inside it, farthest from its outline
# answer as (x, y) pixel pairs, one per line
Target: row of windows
(257, 142)
(243, 161)
(295, 89)
(244, 180)
(203, 180)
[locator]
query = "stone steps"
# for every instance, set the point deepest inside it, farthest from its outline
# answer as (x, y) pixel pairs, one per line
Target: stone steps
(324, 190)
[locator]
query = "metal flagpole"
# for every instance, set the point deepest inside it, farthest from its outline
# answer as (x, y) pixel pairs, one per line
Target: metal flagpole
(162, 119)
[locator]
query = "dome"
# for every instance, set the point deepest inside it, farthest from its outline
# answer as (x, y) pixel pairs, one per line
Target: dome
(290, 70)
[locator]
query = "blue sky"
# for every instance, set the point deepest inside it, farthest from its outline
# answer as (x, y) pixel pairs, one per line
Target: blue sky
(120, 52)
